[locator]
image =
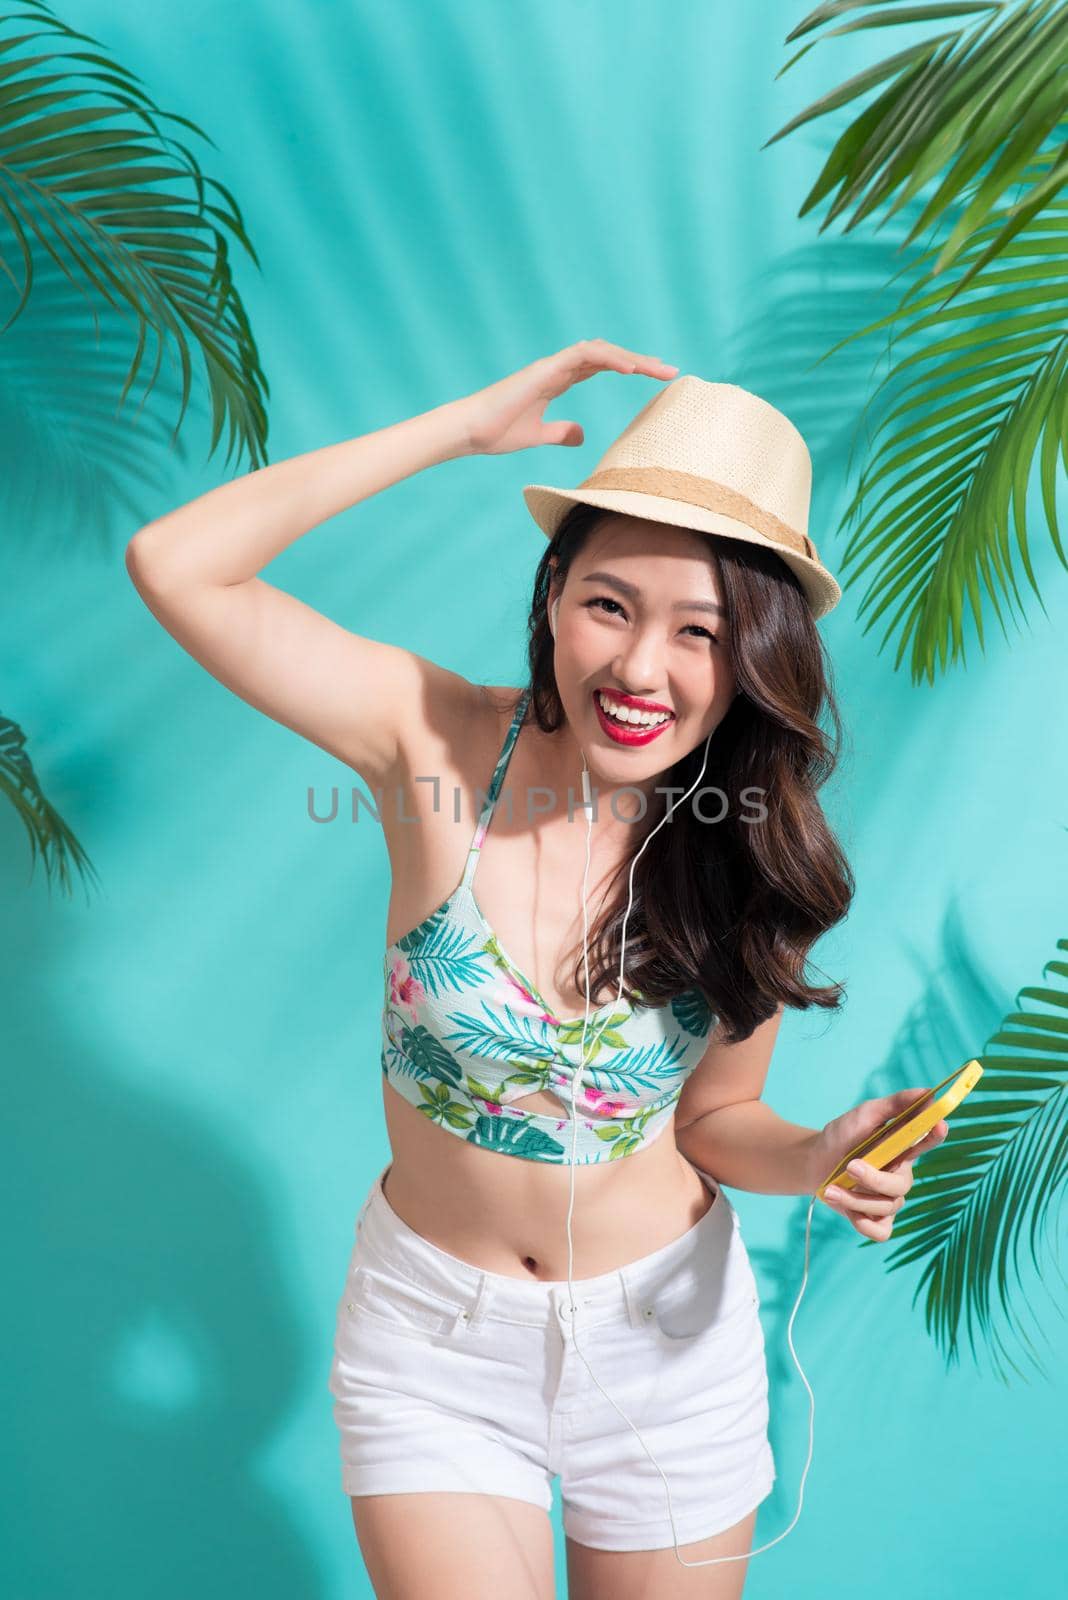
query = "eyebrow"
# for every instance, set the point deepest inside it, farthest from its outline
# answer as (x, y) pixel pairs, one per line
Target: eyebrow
(633, 593)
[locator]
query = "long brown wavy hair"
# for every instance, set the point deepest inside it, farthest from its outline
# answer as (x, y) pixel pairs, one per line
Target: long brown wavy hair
(728, 908)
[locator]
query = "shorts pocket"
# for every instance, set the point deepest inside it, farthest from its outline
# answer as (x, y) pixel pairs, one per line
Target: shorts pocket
(705, 1307)
(396, 1305)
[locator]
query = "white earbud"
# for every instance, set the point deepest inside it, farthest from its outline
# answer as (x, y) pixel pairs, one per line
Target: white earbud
(553, 609)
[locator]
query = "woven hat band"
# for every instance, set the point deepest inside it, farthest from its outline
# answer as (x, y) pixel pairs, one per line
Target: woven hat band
(706, 492)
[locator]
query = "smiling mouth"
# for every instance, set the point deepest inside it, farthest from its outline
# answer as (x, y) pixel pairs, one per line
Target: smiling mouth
(629, 715)
(631, 727)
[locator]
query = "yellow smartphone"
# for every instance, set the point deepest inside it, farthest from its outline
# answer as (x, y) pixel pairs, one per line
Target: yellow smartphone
(908, 1127)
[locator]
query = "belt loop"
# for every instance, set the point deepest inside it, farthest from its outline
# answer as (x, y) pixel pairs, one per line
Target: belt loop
(639, 1309)
(472, 1312)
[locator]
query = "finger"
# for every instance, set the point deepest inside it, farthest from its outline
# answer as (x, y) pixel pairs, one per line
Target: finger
(857, 1203)
(872, 1228)
(904, 1162)
(655, 365)
(562, 433)
(599, 354)
(876, 1180)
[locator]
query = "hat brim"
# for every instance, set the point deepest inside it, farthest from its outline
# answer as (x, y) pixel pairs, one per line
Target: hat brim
(548, 507)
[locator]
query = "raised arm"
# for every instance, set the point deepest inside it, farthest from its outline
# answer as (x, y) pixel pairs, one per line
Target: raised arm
(196, 568)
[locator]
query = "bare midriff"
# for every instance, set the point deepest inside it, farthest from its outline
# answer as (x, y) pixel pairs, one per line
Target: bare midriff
(508, 1215)
(505, 1213)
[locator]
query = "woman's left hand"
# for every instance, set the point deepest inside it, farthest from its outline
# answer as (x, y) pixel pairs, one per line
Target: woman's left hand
(880, 1192)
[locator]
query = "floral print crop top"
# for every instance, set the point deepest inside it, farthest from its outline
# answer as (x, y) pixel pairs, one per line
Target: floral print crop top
(464, 1034)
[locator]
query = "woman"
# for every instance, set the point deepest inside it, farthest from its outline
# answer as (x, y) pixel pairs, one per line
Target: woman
(516, 1065)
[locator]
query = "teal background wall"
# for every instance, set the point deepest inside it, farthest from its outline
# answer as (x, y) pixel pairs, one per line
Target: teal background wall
(439, 193)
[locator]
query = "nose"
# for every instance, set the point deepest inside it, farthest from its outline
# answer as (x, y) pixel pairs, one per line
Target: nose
(638, 665)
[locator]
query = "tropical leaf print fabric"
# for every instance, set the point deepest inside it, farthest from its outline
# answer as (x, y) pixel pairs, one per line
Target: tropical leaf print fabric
(464, 1034)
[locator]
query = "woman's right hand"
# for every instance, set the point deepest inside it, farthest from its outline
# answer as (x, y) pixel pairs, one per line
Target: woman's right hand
(508, 415)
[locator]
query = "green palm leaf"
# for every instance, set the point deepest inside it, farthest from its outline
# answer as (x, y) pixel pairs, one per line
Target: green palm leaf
(982, 389)
(981, 98)
(80, 179)
(48, 833)
(972, 117)
(990, 1185)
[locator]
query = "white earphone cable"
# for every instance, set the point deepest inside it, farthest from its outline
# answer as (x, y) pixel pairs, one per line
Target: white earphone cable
(587, 806)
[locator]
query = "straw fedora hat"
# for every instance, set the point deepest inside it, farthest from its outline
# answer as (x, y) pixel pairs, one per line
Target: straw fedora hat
(713, 457)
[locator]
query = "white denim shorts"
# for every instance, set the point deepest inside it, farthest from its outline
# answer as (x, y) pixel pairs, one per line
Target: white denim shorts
(449, 1377)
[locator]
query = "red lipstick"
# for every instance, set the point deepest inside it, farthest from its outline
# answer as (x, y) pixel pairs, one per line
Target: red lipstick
(635, 734)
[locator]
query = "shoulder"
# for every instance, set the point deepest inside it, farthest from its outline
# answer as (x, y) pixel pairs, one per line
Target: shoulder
(454, 716)
(503, 697)
(493, 706)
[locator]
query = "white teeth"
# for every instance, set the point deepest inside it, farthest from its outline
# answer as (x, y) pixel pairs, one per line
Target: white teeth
(621, 713)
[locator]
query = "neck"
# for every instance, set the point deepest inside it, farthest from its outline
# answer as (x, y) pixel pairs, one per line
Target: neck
(618, 807)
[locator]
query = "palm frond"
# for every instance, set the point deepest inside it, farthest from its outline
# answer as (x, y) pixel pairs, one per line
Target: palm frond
(81, 180)
(980, 98)
(983, 387)
(48, 833)
(992, 1182)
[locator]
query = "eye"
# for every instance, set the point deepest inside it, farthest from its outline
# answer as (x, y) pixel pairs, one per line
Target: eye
(606, 600)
